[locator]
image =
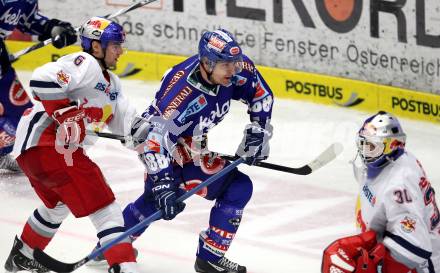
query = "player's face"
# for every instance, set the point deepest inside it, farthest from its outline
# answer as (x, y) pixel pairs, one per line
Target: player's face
(113, 51)
(223, 72)
(370, 149)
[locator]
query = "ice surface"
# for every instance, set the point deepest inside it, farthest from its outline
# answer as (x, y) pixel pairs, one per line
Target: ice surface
(289, 220)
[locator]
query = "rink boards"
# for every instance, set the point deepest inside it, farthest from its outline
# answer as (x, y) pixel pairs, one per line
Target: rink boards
(290, 84)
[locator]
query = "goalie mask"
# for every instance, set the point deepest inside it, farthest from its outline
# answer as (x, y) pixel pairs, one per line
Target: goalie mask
(381, 139)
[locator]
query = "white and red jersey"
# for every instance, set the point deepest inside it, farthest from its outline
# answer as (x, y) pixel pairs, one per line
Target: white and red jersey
(399, 204)
(73, 79)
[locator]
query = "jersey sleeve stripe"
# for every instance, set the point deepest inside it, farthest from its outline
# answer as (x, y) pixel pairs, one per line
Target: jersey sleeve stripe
(49, 96)
(34, 120)
(408, 246)
(43, 84)
(42, 125)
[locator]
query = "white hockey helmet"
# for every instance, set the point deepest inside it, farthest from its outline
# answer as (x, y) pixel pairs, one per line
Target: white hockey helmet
(380, 139)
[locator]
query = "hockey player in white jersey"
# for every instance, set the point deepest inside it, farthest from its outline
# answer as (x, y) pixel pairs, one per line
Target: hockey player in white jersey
(74, 93)
(398, 215)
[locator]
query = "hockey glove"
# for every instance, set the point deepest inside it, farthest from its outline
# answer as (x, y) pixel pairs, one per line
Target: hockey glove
(342, 255)
(255, 144)
(165, 196)
(63, 30)
(71, 127)
(140, 128)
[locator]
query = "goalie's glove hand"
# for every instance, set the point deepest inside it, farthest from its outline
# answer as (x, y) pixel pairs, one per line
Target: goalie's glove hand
(255, 144)
(350, 254)
(62, 33)
(165, 195)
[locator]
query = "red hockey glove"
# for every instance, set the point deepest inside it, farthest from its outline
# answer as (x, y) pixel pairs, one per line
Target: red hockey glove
(71, 127)
(379, 260)
(341, 256)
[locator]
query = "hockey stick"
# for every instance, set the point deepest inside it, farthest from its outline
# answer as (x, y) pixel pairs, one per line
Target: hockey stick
(57, 266)
(325, 157)
(16, 55)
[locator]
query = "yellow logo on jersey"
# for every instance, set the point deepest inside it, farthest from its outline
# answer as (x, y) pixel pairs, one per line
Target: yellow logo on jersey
(408, 224)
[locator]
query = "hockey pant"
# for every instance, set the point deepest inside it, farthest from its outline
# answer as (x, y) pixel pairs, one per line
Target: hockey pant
(231, 194)
(13, 102)
(80, 189)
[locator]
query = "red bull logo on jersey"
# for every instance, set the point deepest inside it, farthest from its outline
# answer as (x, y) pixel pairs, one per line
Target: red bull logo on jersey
(63, 78)
(408, 224)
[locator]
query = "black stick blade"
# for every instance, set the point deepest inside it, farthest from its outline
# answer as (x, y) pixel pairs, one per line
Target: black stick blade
(55, 265)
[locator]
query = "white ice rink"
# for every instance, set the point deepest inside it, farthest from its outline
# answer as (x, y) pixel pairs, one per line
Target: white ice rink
(289, 220)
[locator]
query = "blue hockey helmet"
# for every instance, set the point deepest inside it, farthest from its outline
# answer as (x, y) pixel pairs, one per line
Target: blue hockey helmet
(102, 30)
(219, 46)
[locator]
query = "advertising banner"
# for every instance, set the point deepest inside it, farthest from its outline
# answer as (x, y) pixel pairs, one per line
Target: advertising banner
(389, 42)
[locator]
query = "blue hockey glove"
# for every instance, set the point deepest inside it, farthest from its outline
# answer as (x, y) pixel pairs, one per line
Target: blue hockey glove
(165, 196)
(255, 144)
(65, 31)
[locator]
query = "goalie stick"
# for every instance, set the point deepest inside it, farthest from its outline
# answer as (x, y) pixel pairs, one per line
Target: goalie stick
(324, 158)
(57, 266)
(16, 55)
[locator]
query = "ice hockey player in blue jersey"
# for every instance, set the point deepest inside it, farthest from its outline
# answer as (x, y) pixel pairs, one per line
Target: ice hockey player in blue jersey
(194, 96)
(21, 14)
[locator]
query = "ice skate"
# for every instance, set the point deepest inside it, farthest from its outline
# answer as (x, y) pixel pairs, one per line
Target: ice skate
(17, 261)
(221, 266)
(8, 163)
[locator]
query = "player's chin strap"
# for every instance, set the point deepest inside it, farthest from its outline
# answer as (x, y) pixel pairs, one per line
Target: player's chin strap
(321, 160)
(57, 266)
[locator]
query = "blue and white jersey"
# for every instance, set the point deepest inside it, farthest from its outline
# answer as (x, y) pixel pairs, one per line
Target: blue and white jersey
(186, 107)
(21, 14)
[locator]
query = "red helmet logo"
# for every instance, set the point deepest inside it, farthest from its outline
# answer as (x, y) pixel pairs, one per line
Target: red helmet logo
(234, 50)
